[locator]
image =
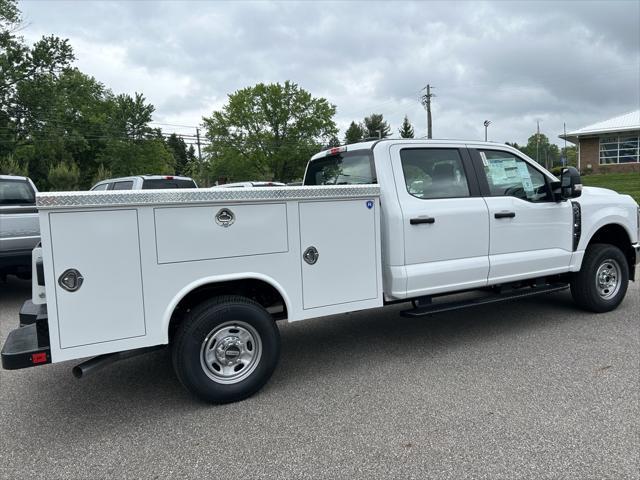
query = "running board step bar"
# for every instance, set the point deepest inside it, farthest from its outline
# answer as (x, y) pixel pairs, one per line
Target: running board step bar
(524, 292)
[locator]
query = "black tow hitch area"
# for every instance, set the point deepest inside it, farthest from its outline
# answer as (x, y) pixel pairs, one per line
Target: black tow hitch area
(28, 346)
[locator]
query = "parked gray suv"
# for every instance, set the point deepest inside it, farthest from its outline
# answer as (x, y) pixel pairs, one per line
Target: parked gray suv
(19, 225)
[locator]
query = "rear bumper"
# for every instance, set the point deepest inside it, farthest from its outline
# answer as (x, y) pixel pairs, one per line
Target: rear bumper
(28, 345)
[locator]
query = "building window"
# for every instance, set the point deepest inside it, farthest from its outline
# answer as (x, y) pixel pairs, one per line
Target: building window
(619, 149)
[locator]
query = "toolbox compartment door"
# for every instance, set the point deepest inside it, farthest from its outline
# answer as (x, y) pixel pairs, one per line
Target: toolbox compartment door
(104, 247)
(188, 234)
(343, 232)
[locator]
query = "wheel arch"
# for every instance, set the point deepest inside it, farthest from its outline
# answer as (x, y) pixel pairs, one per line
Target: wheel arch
(617, 235)
(259, 287)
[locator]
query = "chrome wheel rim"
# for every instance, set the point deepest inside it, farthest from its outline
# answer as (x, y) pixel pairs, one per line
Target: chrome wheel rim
(608, 279)
(230, 352)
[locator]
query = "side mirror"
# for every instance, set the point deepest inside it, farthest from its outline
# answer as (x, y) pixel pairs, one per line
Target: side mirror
(570, 183)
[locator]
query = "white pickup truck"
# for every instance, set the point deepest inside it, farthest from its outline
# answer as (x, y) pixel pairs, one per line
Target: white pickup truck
(210, 272)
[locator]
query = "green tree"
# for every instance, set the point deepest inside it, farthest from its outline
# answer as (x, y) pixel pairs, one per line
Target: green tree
(406, 130)
(22, 69)
(102, 173)
(10, 166)
(64, 177)
(354, 134)
(130, 116)
(334, 141)
(57, 120)
(570, 154)
(540, 149)
(376, 127)
(126, 157)
(268, 132)
(178, 149)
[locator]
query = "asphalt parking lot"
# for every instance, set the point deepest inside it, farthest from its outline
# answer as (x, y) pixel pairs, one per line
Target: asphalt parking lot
(527, 389)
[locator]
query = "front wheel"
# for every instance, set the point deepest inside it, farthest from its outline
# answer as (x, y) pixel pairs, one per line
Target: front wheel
(226, 349)
(602, 282)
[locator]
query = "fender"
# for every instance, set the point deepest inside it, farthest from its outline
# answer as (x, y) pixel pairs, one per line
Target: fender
(604, 217)
(601, 218)
(217, 279)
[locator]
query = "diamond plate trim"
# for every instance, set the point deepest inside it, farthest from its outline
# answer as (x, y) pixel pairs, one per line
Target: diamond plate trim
(200, 195)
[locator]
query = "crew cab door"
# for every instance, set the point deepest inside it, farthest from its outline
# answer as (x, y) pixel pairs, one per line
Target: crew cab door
(531, 233)
(445, 220)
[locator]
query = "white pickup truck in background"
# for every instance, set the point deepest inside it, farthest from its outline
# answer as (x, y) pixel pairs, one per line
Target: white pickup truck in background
(210, 272)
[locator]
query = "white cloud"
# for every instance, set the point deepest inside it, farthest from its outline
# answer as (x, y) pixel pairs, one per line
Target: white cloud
(513, 63)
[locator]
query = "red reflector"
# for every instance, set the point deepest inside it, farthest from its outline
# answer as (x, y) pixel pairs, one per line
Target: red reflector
(39, 357)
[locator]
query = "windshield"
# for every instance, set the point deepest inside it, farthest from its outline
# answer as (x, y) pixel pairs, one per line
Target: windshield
(347, 168)
(16, 192)
(161, 183)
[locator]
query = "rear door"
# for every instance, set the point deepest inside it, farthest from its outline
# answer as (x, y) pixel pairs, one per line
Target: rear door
(531, 233)
(445, 220)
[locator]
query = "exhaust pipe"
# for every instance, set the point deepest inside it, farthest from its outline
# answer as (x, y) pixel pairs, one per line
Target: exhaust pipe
(96, 363)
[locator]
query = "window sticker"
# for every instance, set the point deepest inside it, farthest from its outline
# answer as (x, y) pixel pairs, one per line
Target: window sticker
(498, 171)
(525, 177)
(483, 156)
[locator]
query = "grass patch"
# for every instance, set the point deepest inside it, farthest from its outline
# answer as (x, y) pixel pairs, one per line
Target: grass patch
(628, 183)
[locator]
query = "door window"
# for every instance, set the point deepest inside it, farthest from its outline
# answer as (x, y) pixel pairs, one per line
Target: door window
(123, 185)
(102, 186)
(511, 176)
(434, 173)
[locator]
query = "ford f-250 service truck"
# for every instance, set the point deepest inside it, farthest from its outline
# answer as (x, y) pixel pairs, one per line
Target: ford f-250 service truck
(210, 272)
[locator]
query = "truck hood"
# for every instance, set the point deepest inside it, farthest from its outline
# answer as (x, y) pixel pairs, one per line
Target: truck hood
(597, 191)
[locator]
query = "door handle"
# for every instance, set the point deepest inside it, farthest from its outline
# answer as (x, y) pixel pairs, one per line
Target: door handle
(505, 215)
(419, 220)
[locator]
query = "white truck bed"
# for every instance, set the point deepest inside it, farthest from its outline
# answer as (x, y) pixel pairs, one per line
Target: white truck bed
(141, 252)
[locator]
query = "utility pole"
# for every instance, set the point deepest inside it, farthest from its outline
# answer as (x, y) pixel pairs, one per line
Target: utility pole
(538, 143)
(200, 156)
(565, 156)
(426, 103)
(198, 141)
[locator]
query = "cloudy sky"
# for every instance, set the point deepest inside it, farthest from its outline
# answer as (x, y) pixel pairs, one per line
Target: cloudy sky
(512, 63)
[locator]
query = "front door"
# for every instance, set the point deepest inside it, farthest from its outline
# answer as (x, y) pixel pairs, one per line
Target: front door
(531, 233)
(445, 220)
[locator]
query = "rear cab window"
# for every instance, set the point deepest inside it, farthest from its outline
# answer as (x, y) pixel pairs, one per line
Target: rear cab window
(161, 183)
(126, 185)
(16, 192)
(345, 168)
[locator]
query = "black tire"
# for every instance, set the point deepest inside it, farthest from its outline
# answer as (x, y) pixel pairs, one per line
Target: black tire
(193, 337)
(584, 284)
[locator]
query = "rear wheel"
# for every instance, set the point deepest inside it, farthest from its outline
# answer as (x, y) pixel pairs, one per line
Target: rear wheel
(226, 349)
(602, 282)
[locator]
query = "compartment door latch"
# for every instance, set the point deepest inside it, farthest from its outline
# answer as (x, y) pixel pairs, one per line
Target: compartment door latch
(311, 255)
(71, 280)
